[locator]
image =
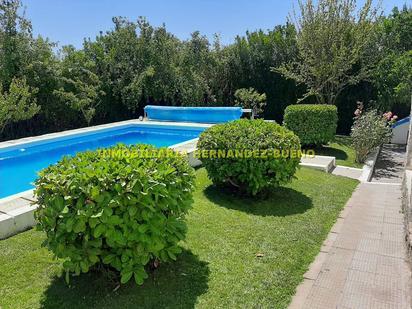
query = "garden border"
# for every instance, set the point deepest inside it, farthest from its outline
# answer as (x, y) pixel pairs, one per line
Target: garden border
(369, 165)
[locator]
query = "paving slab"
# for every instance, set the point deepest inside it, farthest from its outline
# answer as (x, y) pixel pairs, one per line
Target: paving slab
(16, 215)
(366, 265)
(28, 195)
(324, 163)
(390, 164)
(13, 205)
(350, 172)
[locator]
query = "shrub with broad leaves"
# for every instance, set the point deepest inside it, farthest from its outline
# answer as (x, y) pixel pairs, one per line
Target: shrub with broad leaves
(123, 212)
(258, 171)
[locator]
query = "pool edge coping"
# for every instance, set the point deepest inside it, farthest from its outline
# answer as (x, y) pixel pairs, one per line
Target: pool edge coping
(74, 132)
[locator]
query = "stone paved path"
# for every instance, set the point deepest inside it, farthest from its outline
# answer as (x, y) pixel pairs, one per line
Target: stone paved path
(363, 262)
(390, 164)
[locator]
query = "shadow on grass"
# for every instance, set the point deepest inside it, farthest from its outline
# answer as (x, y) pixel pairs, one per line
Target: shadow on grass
(341, 141)
(279, 202)
(173, 285)
(332, 152)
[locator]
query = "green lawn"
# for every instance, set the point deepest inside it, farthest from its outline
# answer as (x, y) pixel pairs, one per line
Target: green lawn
(341, 149)
(238, 253)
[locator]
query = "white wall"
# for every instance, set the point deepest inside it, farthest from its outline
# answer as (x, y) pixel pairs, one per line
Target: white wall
(400, 134)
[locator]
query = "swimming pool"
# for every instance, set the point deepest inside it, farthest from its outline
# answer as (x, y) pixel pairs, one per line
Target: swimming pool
(20, 163)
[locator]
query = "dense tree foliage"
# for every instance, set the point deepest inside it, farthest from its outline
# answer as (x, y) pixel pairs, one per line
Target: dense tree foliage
(79, 86)
(335, 47)
(393, 74)
(17, 103)
(113, 76)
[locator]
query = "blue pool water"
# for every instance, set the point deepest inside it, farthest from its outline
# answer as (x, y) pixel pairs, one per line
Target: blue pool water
(19, 164)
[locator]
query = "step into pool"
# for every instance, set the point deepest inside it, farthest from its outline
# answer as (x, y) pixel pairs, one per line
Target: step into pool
(20, 163)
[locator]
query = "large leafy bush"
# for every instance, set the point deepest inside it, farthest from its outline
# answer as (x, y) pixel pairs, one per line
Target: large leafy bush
(256, 140)
(315, 124)
(369, 131)
(122, 211)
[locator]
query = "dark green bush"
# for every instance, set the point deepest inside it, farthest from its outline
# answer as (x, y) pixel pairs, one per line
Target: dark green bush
(260, 144)
(118, 209)
(315, 124)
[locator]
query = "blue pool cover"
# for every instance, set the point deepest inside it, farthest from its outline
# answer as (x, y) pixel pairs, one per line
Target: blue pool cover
(193, 114)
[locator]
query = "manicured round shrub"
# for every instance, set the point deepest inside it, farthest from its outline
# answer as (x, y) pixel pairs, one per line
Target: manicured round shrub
(122, 208)
(315, 124)
(251, 155)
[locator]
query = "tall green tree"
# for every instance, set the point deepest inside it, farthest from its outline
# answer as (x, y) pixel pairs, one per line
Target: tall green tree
(336, 44)
(136, 62)
(194, 72)
(17, 103)
(79, 85)
(24, 57)
(247, 63)
(393, 74)
(15, 37)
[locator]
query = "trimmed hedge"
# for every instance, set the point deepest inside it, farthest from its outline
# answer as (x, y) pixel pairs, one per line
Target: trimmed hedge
(255, 173)
(119, 208)
(315, 124)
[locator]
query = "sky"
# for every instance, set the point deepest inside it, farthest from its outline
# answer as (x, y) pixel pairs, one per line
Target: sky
(70, 21)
